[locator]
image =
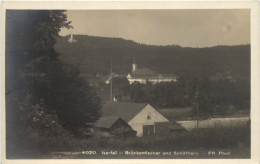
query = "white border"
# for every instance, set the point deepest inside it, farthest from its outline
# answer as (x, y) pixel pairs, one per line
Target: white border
(117, 5)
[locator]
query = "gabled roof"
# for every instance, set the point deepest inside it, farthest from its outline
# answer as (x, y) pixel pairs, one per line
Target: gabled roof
(143, 72)
(169, 75)
(108, 77)
(125, 110)
(106, 121)
(147, 73)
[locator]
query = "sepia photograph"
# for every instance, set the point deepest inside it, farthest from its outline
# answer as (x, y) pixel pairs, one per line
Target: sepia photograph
(128, 83)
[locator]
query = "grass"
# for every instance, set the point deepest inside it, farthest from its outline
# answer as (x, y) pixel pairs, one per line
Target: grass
(218, 137)
(231, 138)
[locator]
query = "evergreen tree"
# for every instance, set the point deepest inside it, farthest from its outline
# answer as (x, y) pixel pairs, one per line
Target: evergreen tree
(37, 82)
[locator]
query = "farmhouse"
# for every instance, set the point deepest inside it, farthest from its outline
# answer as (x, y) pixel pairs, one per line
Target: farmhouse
(141, 117)
(113, 126)
(144, 75)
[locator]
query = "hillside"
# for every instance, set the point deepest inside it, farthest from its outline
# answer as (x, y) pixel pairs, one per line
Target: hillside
(92, 55)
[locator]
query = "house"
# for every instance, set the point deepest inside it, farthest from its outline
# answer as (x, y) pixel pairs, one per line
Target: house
(141, 117)
(144, 75)
(108, 126)
(107, 78)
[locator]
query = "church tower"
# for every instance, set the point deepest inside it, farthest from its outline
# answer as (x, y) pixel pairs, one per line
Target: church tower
(71, 39)
(134, 66)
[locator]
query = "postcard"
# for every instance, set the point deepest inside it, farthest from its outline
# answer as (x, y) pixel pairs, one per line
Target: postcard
(127, 82)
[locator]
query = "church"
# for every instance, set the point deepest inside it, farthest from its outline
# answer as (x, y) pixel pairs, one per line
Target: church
(144, 75)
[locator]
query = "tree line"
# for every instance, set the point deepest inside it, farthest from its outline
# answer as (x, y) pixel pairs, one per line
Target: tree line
(207, 97)
(93, 55)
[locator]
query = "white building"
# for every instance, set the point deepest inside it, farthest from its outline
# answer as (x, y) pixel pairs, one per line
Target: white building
(144, 75)
(107, 78)
(71, 39)
(140, 116)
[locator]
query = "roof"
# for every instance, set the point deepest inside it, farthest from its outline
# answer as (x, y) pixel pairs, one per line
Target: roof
(108, 77)
(125, 110)
(147, 73)
(104, 78)
(170, 125)
(106, 121)
(143, 72)
(169, 75)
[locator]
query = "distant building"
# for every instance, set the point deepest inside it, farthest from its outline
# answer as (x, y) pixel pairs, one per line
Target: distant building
(222, 76)
(107, 78)
(141, 117)
(71, 39)
(144, 75)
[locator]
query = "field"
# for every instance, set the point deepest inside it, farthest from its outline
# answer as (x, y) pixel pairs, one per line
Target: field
(234, 140)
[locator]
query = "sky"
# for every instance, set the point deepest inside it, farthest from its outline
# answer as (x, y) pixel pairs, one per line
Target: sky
(187, 28)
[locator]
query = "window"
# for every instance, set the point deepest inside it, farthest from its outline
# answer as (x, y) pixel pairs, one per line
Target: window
(148, 117)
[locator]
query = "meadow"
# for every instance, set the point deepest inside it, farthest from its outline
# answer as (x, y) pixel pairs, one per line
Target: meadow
(235, 139)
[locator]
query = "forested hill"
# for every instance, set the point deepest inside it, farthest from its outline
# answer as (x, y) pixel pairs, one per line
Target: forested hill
(92, 55)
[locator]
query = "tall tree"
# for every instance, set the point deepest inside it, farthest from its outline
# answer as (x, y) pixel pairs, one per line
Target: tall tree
(37, 80)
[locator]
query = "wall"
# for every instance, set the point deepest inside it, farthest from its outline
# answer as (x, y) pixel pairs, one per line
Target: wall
(152, 80)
